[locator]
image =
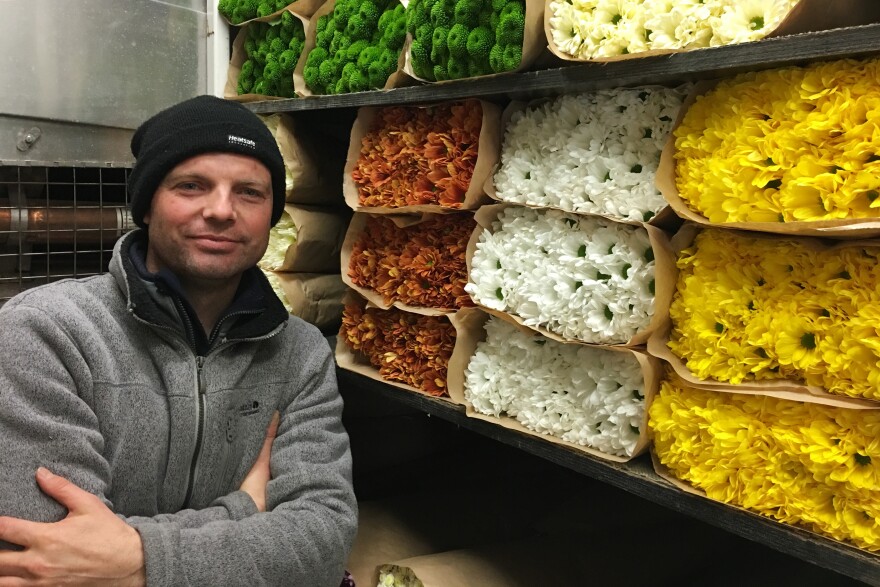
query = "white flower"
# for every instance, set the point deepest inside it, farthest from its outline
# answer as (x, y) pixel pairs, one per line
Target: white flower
(584, 278)
(585, 395)
(593, 153)
(607, 28)
(748, 20)
(281, 237)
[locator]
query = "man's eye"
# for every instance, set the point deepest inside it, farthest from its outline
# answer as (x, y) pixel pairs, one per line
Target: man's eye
(252, 193)
(188, 186)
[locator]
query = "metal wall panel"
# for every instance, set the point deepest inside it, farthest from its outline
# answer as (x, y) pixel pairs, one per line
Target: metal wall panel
(100, 62)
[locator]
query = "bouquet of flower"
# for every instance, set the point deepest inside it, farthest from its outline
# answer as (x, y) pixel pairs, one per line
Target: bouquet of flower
(409, 348)
(281, 237)
(453, 39)
(419, 155)
(271, 51)
(749, 308)
(593, 153)
(585, 395)
(793, 144)
(591, 29)
(421, 265)
(238, 11)
(357, 46)
(800, 463)
(584, 278)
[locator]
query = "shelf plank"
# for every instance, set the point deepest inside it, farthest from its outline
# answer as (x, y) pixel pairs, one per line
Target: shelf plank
(638, 477)
(861, 41)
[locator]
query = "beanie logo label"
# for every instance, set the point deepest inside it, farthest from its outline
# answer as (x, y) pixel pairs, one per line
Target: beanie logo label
(242, 141)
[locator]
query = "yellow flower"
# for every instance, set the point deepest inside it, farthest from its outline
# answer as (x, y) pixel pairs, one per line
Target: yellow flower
(750, 308)
(792, 144)
(806, 464)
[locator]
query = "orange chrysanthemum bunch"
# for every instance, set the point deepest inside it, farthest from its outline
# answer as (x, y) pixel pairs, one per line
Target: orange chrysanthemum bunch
(421, 265)
(409, 348)
(413, 156)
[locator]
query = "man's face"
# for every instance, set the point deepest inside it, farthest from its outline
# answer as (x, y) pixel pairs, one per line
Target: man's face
(209, 219)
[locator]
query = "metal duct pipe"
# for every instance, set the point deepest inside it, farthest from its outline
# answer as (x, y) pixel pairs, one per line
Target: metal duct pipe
(63, 223)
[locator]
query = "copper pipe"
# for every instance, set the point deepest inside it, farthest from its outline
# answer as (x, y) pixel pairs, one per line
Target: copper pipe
(63, 223)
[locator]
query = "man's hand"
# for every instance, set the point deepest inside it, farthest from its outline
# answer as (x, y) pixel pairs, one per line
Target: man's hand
(258, 477)
(91, 546)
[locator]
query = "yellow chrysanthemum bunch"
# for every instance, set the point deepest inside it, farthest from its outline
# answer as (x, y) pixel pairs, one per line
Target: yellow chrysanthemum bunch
(751, 308)
(806, 464)
(794, 144)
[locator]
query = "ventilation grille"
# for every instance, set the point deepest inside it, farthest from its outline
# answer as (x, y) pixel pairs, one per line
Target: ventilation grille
(58, 222)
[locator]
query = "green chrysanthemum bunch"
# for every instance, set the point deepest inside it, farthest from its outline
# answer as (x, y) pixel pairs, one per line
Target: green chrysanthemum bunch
(356, 46)
(272, 51)
(238, 11)
(465, 38)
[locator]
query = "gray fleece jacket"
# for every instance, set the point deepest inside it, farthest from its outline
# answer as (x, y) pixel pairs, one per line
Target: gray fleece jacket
(101, 385)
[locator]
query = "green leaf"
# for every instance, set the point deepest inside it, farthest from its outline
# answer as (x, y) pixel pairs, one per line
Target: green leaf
(647, 215)
(602, 276)
(652, 286)
(582, 251)
(862, 460)
(719, 327)
(625, 270)
(578, 285)
(649, 255)
(757, 23)
(608, 313)
(498, 264)
(773, 184)
(635, 429)
(636, 168)
(872, 195)
(498, 294)
(637, 395)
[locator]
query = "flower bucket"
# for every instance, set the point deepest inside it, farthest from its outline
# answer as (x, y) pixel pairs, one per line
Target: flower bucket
(570, 169)
(441, 277)
(800, 435)
(523, 380)
(781, 388)
(317, 244)
(434, 359)
(658, 255)
(695, 20)
(366, 137)
(738, 96)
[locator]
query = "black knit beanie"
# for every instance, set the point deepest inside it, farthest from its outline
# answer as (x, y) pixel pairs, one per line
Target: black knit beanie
(204, 124)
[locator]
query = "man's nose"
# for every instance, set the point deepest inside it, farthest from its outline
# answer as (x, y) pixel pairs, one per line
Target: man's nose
(219, 204)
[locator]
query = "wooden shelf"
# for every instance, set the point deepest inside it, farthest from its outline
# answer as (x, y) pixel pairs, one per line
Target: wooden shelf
(638, 477)
(658, 69)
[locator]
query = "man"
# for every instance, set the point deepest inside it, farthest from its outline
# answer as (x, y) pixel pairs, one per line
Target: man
(141, 399)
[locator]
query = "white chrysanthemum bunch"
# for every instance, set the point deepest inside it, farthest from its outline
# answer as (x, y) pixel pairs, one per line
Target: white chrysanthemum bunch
(584, 278)
(594, 153)
(590, 29)
(590, 396)
(395, 576)
(281, 237)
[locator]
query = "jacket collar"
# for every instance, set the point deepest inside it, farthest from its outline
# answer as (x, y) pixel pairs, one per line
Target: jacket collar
(255, 311)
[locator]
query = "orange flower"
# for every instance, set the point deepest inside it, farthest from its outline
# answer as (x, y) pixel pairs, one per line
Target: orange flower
(409, 348)
(421, 265)
(414, 156)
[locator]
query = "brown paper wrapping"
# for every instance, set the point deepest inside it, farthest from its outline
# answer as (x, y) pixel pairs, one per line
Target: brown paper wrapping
(853, 228)
(805, 16)
(351, 360)
(318, 241)
(355, 229)
(778, 388)
(395, 80)
(238, 57)
(302, 7)
(488, 151)
(314, 297)
(534, 43)
(470, 332)
(313, 182)
(662, 219)
(664, 278)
